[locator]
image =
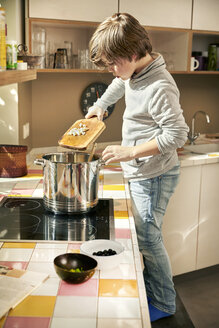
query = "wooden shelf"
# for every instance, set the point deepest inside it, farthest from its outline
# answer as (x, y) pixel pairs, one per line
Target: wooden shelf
(196, 72)
(77, 70)
(73, 70)
(9, 77)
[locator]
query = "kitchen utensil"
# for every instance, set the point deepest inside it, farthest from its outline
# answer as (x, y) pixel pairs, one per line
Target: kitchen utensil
(212, 57)
(194, 64)
(80, 142)
(83, 265)
(13, 161)
(31, 60)
(70, 183)
(92, 152)
(61, 59)
(104, 262)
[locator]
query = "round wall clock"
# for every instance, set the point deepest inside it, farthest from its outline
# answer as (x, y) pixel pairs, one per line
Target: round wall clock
(90, 95)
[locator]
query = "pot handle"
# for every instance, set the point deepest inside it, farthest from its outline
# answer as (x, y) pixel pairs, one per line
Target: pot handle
(101, 162)
(39, 162)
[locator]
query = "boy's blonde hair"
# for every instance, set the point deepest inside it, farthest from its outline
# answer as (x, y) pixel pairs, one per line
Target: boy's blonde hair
(119, 36)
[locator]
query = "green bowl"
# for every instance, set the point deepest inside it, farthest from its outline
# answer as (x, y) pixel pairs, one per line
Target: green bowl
(65, 262)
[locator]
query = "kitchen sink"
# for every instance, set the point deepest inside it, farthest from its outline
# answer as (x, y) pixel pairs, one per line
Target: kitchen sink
(203, 148)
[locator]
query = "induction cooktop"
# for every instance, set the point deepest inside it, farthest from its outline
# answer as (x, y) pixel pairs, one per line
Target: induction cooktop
(26, 219)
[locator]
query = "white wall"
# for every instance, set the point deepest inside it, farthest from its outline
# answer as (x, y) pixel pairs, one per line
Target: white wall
(9, 114)
(14, 19)
(9, 124)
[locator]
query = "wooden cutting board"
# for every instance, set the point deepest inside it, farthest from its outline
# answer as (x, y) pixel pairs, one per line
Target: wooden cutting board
(93, 128)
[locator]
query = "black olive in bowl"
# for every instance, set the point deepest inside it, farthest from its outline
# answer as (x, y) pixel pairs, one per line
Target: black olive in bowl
(74, 268)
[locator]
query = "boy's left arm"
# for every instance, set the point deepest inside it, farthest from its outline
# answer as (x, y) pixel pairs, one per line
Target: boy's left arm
(118, 153)
(167, 113)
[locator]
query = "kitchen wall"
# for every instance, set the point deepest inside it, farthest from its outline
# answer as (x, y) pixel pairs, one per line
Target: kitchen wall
(200, 92)
(56, 104)
(9, 114)
(10, 127)
(14, 19)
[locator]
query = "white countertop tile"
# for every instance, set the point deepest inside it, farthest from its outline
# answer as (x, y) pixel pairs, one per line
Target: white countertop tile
(15, 254)
(76, 306)
(119, 307)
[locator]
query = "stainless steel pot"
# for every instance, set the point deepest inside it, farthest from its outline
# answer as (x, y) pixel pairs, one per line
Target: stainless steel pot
(70, 182)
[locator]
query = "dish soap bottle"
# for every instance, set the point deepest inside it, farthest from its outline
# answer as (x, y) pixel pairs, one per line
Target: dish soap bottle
(2, 40)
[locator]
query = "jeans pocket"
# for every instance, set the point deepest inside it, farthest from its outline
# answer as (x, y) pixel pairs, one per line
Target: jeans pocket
(165, 189)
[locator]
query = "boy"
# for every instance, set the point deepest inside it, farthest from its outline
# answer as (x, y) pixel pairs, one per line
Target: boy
(153, 128)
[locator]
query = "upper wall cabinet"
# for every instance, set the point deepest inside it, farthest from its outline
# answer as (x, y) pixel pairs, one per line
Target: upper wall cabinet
(78, 10)
(205, 15)
(168, 13)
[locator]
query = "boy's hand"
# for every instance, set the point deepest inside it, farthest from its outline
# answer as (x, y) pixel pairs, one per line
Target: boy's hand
(95, 111)
(117, 154)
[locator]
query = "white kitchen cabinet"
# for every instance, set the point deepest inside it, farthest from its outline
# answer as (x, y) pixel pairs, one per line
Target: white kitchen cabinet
(83, 10)
(180, 225)
(168, 13)
(169, 29)
(208, 232)
(205, 15)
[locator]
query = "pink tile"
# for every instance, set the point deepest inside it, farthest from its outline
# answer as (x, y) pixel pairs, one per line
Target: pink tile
(123, 233)
(113, 168)
(27, 322)
(74, 246)
(21, 191)
(15, 265)
(35, 171)
(88, 288)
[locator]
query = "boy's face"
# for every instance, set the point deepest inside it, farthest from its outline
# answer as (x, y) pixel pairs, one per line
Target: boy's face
(121, 68)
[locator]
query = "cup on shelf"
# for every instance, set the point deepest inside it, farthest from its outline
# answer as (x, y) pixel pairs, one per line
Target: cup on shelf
(61, 60)
(212, 57)
(39, 44)
(199, 55)
(194, 64)
(68, 47)
(83, 59)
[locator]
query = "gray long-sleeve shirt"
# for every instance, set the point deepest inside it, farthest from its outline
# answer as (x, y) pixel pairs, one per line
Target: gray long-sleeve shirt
(152, 111)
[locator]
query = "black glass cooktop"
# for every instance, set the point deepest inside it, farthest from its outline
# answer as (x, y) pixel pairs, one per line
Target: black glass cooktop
(26, 219)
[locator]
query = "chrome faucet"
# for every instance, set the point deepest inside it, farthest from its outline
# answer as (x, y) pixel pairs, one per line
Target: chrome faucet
(193, 136)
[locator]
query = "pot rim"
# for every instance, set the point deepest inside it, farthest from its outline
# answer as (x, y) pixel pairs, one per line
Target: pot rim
(97, 157)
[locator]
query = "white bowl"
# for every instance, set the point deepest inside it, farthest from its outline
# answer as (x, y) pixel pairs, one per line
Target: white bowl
(104, 262)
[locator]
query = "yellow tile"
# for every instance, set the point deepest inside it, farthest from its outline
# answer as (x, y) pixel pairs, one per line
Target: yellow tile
(120, 204)
(118, 288)
(2, 321)
(113, 187)
(101, 177)
(32, 175)
(35, 306)
(74, 250)
(19, 195)
(121, 214)
(19, 245)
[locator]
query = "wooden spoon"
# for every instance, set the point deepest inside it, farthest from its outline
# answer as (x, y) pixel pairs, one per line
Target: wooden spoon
(92, 152)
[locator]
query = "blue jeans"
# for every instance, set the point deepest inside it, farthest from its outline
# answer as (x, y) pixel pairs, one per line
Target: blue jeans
(149, 200)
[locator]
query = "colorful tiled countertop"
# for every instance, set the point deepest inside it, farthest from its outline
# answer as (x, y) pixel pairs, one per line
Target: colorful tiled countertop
(112, 298)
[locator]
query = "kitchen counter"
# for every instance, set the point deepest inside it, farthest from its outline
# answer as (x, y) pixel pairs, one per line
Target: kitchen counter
(110, 298)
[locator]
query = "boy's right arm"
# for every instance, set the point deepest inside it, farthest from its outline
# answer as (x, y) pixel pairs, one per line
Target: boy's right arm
(113, 93)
